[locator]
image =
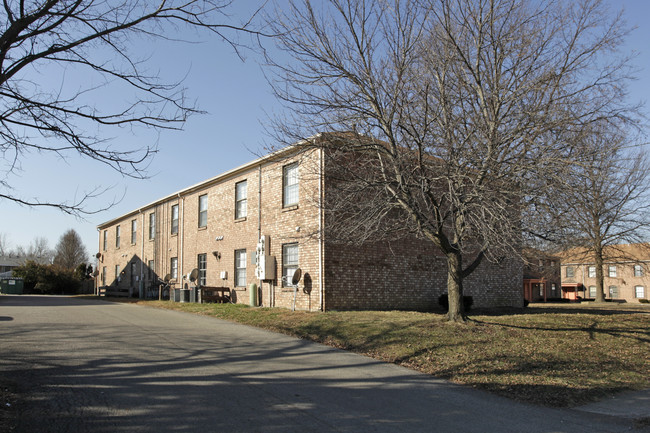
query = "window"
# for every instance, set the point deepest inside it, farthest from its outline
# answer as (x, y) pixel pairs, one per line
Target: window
(105, 239)
(152, 270)
(592, 291)
(240, 268)
(175, 219)
(117, 273)
(613, 292)
(612, 271)
(289, 263)
(553, 288)
(541, 290)
(174, 268)
(104, 275)
(638, 271)
(241, 199)
(203, 267)
(592, 272)
(117, 237)
(203, 210)
(133, 274)
(152, 225)
(569, 271)
(639, 292)
(134, 231)
(290, 185)
(552, 263)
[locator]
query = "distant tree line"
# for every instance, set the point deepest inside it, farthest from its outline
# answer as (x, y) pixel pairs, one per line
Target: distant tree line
(62, 270)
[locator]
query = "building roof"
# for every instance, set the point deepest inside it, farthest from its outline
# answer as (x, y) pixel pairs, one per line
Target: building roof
(611, 254)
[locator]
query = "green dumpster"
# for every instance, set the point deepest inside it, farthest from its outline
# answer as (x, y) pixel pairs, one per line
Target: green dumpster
(11, 286)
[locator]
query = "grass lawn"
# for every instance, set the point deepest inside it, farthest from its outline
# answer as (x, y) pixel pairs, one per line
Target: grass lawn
(562, 356)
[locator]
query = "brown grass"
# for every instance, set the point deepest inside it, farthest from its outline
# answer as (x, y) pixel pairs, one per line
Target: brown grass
(559, 356)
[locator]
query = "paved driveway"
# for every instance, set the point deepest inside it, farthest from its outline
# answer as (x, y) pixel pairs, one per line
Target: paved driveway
(88, 366)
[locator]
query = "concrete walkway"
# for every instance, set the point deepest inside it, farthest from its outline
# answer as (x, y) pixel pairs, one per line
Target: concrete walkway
(87, 366)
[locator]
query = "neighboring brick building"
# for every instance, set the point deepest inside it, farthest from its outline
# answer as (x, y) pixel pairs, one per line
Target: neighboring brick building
(216, 225)
(542, 279)
(626, 273)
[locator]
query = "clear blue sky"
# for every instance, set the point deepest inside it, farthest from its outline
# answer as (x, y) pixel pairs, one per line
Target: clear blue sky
(237, 98)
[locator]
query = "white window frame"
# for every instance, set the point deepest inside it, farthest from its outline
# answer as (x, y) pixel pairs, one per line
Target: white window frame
(203, 210)
(173, 266)
(118, 278)
(290, 185)
(591, 272)
(240, 268)
(639, 294)
(104, 275)
(202, 266)
(241, 199)
(592, 292)
(611, 271)
(134, 231)
(152, 226)
(569, 272)
(152, 270)
(118, 234)
(105, 240)
(290, 262)
(613, 290)
(174, 221)
(638, 270)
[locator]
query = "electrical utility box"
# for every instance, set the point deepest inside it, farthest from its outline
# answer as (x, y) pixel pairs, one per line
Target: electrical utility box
(265, 263)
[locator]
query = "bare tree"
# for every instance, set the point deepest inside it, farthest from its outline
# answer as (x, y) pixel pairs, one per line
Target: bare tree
(607, 198)
(5, 248)
(37, 251)
(93, 38)
(70, 251)
(466, 104)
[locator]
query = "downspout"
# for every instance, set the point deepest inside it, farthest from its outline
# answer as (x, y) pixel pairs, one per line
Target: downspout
(321, 292)
(142, 259)
(181, 223)
(99, 248)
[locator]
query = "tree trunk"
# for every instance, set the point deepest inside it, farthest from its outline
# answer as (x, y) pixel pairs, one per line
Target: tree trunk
(600, 292)
(455, 287)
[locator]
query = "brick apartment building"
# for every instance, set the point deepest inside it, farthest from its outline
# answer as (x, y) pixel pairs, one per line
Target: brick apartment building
(626, 273)
(216, 227)
(542, 280)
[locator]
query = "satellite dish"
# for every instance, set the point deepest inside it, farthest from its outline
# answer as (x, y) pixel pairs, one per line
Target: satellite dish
(296, 277)
(167, 278)
(95, 272)
(194, 275)
(98, 255)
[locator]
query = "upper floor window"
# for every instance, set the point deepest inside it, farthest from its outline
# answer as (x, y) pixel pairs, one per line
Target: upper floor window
(203, 210)
(240, 268)
(612, 271)
(570, 271)
(175, 219)
(241, 199)
(134, 231)
(592, 271)
(152, 225)
(290, 185)
(117, 236)
(638, 270)
(105, 239)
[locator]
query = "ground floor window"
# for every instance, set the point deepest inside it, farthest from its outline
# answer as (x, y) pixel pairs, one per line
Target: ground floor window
(240, 268)
(133, 274)
(592, 291)
(152, 271)
(117, 273)
(613, 292)
(203, 267)
(289, 262)
(174, 268)
(104, 276)
(639, 292)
